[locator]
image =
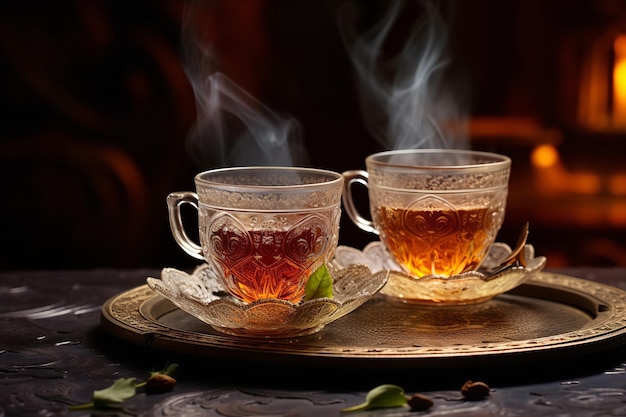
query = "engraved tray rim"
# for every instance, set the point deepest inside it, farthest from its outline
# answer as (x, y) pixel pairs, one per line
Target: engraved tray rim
(134, 316)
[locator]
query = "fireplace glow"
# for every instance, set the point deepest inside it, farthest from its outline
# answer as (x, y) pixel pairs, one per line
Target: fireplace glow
(617, 185)
(553, 178)
(619, 82)
(602, 92)
(545, 156)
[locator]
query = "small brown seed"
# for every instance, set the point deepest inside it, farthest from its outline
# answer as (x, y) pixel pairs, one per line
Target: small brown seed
(475, 390)
(159, 383)
(419, 402)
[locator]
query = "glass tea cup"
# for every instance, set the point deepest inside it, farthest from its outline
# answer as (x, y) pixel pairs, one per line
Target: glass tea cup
(264, 229)
(436, 211)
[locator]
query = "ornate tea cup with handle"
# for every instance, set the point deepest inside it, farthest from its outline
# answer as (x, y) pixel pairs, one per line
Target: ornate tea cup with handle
(437, 212)
(264, 229)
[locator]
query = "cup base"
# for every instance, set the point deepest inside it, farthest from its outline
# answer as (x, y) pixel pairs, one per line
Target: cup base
(268, 333)
(201, 295)
(463, 289)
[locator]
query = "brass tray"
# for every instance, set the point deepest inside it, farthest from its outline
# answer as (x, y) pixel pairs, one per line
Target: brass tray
(551, 316)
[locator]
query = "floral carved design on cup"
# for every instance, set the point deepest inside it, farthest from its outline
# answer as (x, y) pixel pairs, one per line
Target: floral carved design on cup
(263, 229)
(307, 240)
(228, 239)
(452, 240)
(437, 211)
(431, 218)
(267, 261)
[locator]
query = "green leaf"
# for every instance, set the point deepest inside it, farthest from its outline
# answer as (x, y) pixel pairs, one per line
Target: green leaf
(320, 284)
(383, 396)
(169, 370)
(121, 390)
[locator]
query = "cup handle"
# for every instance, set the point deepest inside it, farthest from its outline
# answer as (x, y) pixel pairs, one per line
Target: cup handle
(358, 177)
(174, 202)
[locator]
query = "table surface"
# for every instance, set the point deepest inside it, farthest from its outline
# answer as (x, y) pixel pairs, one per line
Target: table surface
(54, 354)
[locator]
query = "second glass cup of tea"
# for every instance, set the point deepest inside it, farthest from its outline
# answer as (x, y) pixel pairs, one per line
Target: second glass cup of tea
(436, 211)
(264, 229)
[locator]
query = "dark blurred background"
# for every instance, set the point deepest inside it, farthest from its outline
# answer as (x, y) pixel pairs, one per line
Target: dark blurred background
(96, 108)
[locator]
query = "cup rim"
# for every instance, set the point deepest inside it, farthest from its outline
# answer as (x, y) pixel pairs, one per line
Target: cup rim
(334, 178)
(493, 160)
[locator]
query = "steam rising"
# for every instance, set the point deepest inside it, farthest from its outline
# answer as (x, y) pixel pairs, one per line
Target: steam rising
(232, 127)
(404, 100)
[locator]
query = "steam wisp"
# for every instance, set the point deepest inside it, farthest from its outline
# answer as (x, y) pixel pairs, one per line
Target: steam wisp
(405, 100)
(232, 128)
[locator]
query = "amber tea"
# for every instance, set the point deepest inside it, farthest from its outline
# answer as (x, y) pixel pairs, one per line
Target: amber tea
(263, 230)
(268, 263)
(438, 242)
(437, 211)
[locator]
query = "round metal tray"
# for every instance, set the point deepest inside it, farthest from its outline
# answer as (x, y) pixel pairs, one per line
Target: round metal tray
(551, 316)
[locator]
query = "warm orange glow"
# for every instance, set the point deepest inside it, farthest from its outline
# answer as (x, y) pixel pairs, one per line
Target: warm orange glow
(617, 215)
(619, 81)
(617, 184)
(584, 183)
(553, 178)
(544, 156)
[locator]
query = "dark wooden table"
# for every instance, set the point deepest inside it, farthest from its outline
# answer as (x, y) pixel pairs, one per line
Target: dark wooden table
(54, 353)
